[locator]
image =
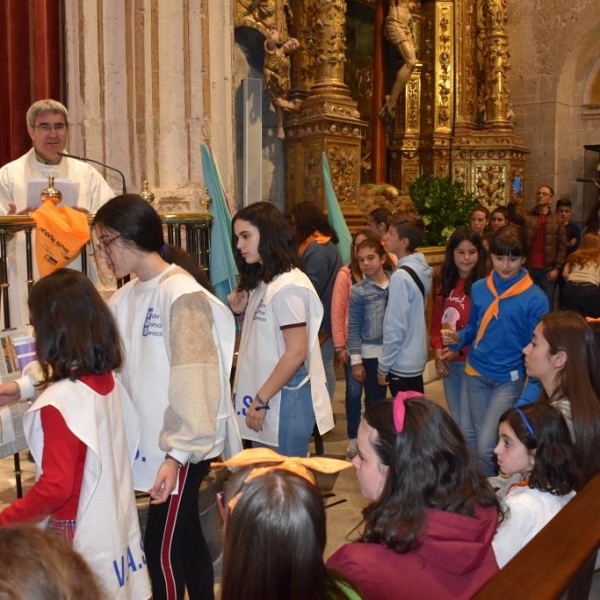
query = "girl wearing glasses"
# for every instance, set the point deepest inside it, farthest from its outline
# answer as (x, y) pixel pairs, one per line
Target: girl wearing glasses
(178, 342)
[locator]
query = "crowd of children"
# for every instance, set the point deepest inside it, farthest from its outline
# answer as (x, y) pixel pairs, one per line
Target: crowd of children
(135, 396)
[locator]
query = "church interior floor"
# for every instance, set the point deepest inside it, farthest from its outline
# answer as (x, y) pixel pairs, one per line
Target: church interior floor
(344, 501)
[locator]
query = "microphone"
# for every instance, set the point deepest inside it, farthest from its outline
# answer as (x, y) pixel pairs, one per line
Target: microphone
(97, 162)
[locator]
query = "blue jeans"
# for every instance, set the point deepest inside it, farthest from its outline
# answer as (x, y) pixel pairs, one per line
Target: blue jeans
(354, 391)
(296, 418)
(540, 278)
(455, 389)
(327, 352)
(488, 399)
(373, 391)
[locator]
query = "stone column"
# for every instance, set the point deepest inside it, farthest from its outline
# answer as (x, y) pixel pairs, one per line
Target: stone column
(148, 82)
(328, 120)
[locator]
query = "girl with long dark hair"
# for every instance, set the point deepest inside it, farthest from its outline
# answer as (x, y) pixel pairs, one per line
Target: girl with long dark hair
(178, 342)
(563, 356)
(427, 498)
(464, 264)
(534, 444)
(82, 431)
(280, 388)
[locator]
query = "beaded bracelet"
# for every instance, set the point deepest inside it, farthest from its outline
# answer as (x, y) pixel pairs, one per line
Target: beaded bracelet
(263, 405)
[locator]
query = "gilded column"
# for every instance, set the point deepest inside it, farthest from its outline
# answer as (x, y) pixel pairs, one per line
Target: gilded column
(325, 36)
(488, 157)
(404, 149)
(437, 117)
(303, 74)
(467, 69)
(496, 63)
(328, 120)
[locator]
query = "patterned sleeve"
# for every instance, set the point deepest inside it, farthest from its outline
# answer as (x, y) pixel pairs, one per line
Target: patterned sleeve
(189, 427)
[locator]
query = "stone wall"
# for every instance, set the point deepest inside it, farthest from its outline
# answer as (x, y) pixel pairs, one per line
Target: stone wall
(555, 46)
(148, 82)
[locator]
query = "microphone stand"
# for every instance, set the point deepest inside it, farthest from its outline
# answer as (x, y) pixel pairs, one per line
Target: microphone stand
(97, 162)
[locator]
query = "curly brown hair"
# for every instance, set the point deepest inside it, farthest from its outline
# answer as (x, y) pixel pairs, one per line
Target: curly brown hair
(588, 251)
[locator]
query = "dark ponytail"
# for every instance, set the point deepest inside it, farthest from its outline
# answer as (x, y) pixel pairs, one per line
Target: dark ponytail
(139, 224)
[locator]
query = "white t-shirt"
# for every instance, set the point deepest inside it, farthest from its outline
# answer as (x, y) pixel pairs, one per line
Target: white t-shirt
(528, 512)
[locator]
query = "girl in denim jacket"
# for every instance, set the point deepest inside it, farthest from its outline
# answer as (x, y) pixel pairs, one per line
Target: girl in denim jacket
(368, 300)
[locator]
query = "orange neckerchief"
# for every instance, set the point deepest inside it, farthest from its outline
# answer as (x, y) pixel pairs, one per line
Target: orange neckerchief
(524, 483)
(494, 308)
(318, 237)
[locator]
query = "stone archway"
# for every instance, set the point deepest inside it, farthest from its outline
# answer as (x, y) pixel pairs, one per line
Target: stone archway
(577, 123)
(591, 92)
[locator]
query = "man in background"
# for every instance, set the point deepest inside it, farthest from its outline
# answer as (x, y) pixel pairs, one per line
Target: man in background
(572, 230)
(547, 243)
(48, 128)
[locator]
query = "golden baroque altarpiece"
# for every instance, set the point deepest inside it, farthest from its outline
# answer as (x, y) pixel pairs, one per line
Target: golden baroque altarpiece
(453, 118)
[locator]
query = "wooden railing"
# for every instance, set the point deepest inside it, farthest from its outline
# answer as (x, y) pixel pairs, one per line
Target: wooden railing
(559, 561)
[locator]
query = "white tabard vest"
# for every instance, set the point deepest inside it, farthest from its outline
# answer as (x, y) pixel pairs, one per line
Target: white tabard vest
(142, 310)
(107, 532)
(262, 346)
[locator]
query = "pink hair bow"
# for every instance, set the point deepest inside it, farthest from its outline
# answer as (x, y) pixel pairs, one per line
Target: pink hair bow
(400, 408)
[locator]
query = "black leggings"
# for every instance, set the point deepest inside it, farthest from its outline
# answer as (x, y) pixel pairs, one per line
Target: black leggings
(177, 553)
(582, 298)
(397, 384)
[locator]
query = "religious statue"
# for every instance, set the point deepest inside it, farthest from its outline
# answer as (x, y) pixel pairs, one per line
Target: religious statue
(277, 74)
(262, 10)
(396, 29)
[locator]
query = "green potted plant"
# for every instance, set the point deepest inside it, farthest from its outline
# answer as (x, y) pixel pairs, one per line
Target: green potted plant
(443, 204)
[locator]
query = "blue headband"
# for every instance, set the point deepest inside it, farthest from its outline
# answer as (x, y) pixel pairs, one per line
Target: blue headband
(526, 421)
